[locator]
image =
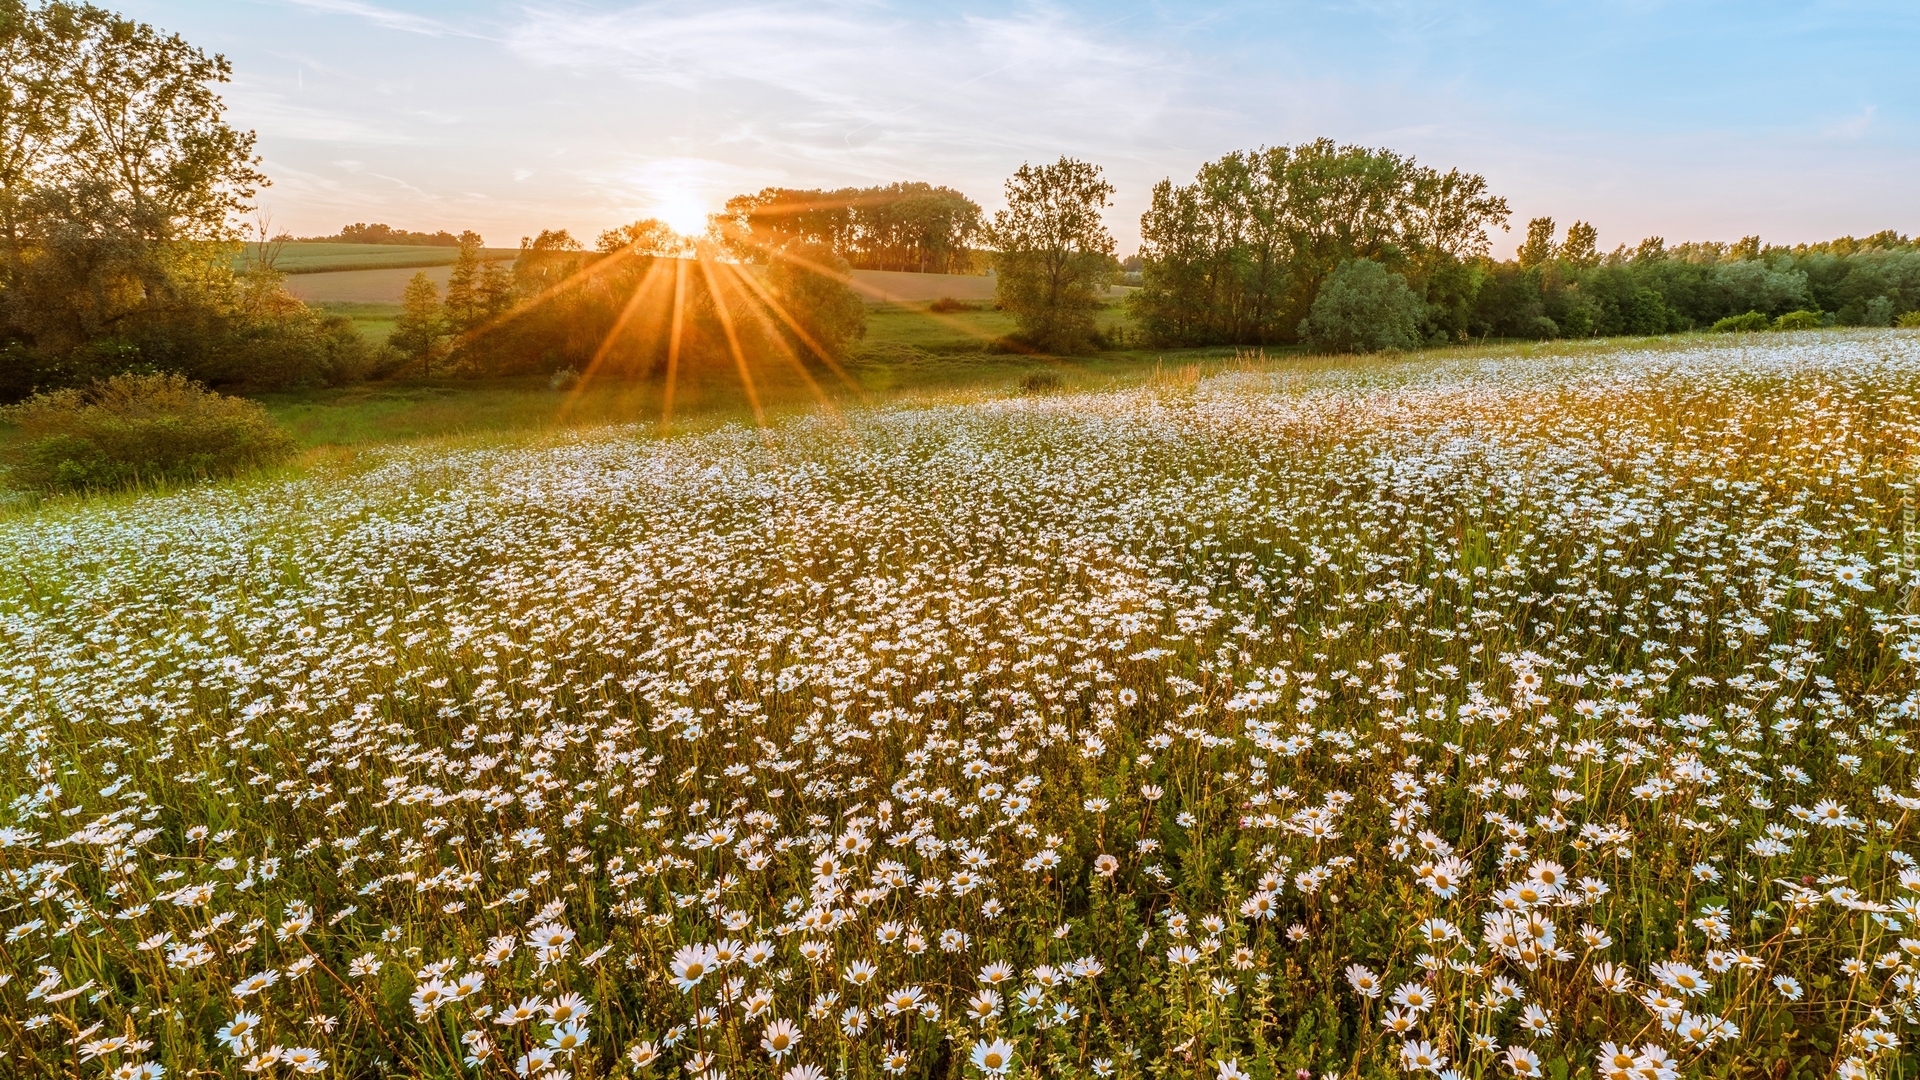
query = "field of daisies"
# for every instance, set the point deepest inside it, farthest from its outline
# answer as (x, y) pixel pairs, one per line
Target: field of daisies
(1480, 717)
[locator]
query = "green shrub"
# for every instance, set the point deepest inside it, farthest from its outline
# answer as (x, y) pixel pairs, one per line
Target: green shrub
(1909, 321)
(1798, 320)
(1743, 324)
(1364, 307)
(133, 429)
(1041, 382)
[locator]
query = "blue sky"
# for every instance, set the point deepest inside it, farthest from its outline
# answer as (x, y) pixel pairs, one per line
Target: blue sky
(1797, 121)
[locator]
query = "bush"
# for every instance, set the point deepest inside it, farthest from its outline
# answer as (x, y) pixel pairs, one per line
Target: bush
(1743, 324)
(134, 429)
(1041, 382)
(1364, 307)
(1798, 320)
(1909, 321)
(948, 304)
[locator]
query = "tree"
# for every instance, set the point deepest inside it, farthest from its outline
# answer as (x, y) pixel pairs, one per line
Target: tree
(808, 285)
(1237, 256)
(464, 306)
(1582, 245)
(911, 226)
(1364, 307)
(420, 327)
(121, 190)
(1538, 247)
(1054, 252)
(648, 236)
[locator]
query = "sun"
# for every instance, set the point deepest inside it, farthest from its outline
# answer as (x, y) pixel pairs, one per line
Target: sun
(683, 211)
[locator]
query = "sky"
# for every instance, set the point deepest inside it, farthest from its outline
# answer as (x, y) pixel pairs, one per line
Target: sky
(1705, 120)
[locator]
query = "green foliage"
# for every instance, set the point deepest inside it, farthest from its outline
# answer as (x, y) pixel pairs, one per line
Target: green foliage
(1041, 382)
(421, 328)
(1798, 320)
(1238, 256)
(812, 304)
(378, 234)
(138, 429)
(1364, 307)
(1910, 321)
(119, 183)
(1743, 324)
(912, 226)
(1054, 252)
(1538, 246)
(648, 236)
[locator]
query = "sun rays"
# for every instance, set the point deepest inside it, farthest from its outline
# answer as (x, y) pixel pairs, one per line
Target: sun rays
(752, 308)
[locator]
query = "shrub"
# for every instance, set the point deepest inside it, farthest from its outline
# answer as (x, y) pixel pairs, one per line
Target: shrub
(1909, 321)
(564, 379)
(948, 304)
(132, 429)
(1041, 382)
(1798, 320)
(1364, 307)
(1743, 324)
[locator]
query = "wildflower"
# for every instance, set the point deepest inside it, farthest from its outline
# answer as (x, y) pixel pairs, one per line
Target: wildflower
(567, 1007)
(568, 1036)
(779, 1038)
(1364, 982)
(1523, 1062)
(528, 1009)
(691, 963)
(1420, 1056)
(993, 1058)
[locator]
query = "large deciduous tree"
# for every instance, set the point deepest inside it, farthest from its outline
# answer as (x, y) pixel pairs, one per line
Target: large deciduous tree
(1054, 253)
(1238, 256)
(121, 191)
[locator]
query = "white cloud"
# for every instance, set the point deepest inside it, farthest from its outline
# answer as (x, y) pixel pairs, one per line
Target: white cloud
(386, 18)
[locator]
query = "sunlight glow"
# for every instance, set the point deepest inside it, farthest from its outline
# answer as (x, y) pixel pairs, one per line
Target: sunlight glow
(685, 212)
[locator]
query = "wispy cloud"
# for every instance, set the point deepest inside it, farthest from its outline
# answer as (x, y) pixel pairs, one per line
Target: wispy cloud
(385, 18)
(861, 85)
(1854, 126)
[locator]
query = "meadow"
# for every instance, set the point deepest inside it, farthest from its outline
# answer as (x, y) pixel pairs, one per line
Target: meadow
(1528, 713)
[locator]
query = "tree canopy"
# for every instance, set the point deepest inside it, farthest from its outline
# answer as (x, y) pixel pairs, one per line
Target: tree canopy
(907, 226)
(1054, 252)
(1237, 256)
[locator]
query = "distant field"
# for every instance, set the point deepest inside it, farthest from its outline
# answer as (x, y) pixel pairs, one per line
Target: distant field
(363, 273)
(895, 331)
(301, 259)
(374, 321)
(362, 286)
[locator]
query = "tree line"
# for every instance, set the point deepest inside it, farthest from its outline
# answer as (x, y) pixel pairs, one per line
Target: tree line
(911, 226)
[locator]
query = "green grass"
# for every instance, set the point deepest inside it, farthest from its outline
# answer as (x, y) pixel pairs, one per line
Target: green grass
(307, 258)
(373, 320)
